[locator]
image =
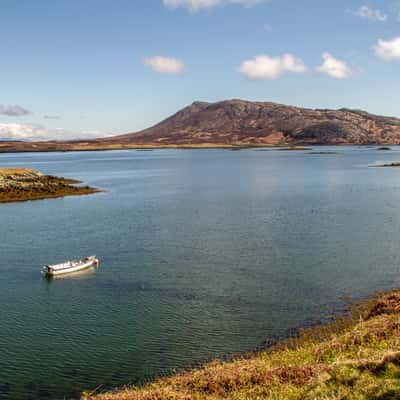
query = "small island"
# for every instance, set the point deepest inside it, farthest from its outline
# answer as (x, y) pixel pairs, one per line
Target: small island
(384, 148)
(393, 164)
(295, 148)
(22, 184)
(280, 148)
(322, 153)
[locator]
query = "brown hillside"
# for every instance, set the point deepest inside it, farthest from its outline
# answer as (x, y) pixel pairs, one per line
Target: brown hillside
(256, 123)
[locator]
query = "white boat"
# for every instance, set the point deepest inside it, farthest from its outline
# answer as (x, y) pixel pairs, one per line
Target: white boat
(70, 266)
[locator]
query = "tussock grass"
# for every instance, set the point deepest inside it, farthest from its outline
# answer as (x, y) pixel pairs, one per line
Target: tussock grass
(355, 357)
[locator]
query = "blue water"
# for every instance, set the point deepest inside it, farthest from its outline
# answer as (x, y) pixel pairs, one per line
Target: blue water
(204, 253)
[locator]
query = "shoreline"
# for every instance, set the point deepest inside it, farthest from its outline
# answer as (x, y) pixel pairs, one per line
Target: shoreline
(342, 355)
(37, 148)
(23, 184)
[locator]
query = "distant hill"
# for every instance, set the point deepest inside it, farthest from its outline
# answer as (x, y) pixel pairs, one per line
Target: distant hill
(255, 123)
(243, 123)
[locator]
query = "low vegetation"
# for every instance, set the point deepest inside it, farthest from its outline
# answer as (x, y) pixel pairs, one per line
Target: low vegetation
(21, 184)
(355, 357)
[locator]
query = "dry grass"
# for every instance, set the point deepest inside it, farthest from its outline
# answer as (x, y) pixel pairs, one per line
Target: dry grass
(355, 357)
(16, 171)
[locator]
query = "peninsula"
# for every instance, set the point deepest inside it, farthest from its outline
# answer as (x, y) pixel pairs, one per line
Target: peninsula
(239, 123)
(21, 184)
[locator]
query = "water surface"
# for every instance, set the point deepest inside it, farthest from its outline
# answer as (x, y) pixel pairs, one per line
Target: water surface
(204, 253)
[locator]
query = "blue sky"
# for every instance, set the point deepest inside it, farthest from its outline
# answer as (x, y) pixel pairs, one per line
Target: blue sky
(85, 68)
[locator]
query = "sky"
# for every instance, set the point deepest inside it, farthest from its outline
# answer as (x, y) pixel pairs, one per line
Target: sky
(89, 68)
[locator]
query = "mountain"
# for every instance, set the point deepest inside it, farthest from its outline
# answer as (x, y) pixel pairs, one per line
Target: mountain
(238, 122)
(242, 123)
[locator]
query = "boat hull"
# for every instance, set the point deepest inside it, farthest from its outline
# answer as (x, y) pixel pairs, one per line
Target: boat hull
(52, 271)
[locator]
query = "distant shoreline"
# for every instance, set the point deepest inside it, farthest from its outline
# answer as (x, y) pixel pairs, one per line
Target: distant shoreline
(53, 147)
(44, 147)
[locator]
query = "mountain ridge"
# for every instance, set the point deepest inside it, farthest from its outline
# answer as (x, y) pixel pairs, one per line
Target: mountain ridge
(240, 122)
(233, 123)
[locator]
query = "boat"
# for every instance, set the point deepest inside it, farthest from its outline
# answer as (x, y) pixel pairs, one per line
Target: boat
(70, 266)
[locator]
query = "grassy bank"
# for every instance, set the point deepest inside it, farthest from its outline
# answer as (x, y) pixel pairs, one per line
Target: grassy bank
(355, 357)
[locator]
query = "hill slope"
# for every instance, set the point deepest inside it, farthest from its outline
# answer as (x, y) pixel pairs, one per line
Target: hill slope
(256, 123)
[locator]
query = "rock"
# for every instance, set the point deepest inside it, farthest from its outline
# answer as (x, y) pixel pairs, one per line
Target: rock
(20, 184)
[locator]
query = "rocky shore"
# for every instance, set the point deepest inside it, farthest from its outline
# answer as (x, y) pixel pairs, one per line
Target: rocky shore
(21, 184)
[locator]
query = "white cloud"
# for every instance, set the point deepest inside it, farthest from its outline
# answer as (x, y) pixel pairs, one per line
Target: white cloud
(195, 5)
(88, 134)
(388, 49)
(267, 67)
(334, 68)
(370, 13)
(165, 65)
(16, 131)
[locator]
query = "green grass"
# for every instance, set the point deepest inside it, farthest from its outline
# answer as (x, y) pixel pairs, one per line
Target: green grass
(355, 357)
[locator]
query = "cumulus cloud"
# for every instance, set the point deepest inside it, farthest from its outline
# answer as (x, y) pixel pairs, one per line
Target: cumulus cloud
(267, 67)
(370, 13)
(13, 111)
(195, 5)
(334, 68)
(389, 50)
(16, 131)
(24, 131)
(165, 65)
